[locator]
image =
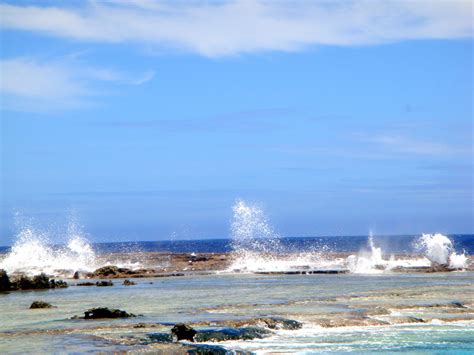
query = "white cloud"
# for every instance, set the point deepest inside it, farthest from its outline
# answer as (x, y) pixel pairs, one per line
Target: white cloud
(233, 27)
(405, 145)
(29, 84)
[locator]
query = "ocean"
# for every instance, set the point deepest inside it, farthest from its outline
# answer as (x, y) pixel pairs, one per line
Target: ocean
(346, 244)
(354, 294)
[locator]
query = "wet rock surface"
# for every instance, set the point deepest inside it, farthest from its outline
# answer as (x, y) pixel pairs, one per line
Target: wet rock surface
(183, 332)
(224, 334)
(4, 281)
(104, 283)
(22, 282)
(86, 284)
(40, 304)
(104, 312)
(265, 322)
(128, 283)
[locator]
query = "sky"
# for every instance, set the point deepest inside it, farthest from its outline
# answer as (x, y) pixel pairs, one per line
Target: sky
(148, 120)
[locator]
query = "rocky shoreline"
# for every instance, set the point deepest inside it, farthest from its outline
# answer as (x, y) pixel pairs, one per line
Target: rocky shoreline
(175, 265)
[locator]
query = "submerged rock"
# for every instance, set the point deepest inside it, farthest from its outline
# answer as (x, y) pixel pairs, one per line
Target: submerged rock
(246, 333)
(350, 322)
(281, 323)
(266, 322)
(104, 283)
(40, 304)
(160, 337)
(406, 319)
(4, 281)
(86, 284)
(183, 332)
(205, 349)
(128, 283)
(104, 312)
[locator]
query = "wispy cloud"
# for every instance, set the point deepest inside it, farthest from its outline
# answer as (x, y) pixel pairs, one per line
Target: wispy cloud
(30, 84)
(406, 145)
(231, 27)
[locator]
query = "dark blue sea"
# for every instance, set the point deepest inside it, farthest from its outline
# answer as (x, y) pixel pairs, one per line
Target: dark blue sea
(350, 244)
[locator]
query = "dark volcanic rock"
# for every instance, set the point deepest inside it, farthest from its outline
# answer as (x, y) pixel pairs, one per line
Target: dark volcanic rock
(183, 332)
(86, 283)
(40, 304)
(246, 333)
(58, 284)
(104, 312)
(106, 271)
(76, 275)
(38, 282)
(205, 349)
(116, 272)
(104, 283)
(4, 281)
(128, 283)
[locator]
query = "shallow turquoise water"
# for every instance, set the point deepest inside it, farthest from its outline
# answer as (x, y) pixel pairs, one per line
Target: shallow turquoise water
(307, 298)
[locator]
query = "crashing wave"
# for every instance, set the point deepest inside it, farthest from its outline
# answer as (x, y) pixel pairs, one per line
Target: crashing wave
(33, 253)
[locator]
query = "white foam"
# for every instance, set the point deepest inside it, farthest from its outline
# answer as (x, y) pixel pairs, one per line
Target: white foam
(257, 248)
(33, 253)
(436, 248)
(439, 249)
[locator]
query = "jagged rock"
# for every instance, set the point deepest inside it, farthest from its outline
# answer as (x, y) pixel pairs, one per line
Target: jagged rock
(58, 284)
(104, 312)
(183, 332)
(76, 275)
(40, 304)
(281, 323)
(104, 283)
(128, 283)
(246, 333)
(106, 271)
(38, 282)
(4, 281)
(116, 272)
(86, 284)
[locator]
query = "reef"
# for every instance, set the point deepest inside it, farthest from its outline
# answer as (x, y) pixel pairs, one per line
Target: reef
(22, 282)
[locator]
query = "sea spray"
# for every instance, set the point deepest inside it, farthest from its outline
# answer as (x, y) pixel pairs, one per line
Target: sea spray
(34, 253)
(367, 262)
(258, 248)
(435, 249)
(439, 249)
(254, 242)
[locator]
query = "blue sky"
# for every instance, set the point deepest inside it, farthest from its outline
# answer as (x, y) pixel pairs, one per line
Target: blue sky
(147, 120)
